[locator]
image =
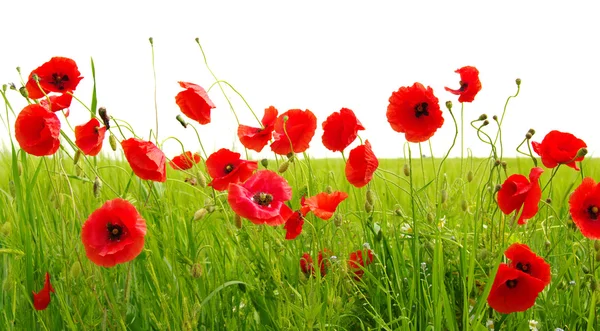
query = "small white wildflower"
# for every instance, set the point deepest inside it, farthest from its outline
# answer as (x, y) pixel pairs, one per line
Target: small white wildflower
(485, 226)
(572, 283)
(333, 258)
(533, 325)
(442, 222)
(424, 266)
(490, 324)
(367, 246)
(405, 229)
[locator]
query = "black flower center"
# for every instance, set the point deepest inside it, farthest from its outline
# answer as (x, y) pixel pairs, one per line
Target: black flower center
(228, 168)
(511, 283)
(115, 231)
(59, 80)
(263, 199)
(593, 212)
(463, 86)
(421, 109)
(526, 268)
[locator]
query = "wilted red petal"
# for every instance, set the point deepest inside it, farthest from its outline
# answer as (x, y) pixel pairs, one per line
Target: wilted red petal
(415, 111)
(340, 129)
(300, 128)
(146, 160)
(559, 148)
(184, 161)
(324, 204)
(194, 102)
(523, 259)
(226, 167)
(89, 137)
(470, 84)
(513, 290)
(361, 165)
(37, 130)
(584, 206)
(60, 75)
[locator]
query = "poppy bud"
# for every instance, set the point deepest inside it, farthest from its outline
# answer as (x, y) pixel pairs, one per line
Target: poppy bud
(329, 189)
(496, 163)
(12, 86)
(528, 136)
(497, 187)
(285, 118)
(196, 270)
(6, 229)
(495, 118)
(76, 156)
(283, 167)
(151, 40)
(463, 205)
(290, 156)
(406, 170)
(581, 153)
(482, 117)
(198, 215)
(24, 92)
(181, 121)
(503, 164)
(486, 122)
(548, 200)
(237, 221)
(201, 179)
(370, 197)
(197, 39)
(470, 176)
(597, 245)
(518, 81)
(449, 105)
(19, 69)
(368, 207)
(264, 163)
(113, 142)
(444, 196)
(547, 243)
(97, 187)
(532, 131)
(338, 220)
(104, 116)
(75, 270)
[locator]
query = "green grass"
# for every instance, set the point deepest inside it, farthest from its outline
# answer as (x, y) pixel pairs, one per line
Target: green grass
(208, 274)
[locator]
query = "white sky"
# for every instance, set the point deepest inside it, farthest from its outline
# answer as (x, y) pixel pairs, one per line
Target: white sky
(322, 56)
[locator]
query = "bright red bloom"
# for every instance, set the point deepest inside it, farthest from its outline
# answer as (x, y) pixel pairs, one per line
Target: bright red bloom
(300, 127)
(517, 192)
(513, 290)
(194, 102)
(340, 130)
(41, 300)
(584, 206)
(37, 130)
(323, 205)
(261, 198)
(356, 261)
(415, 111)
(114, 233)
(60, 75)
(361, 165)
(57, 102)
(146, 160)
(307, 266)
(293, 225)
(470, 84)
(257, 138)
(225, 167)
(89, 137)
(185, 161)
(559, 148)
(523, 259)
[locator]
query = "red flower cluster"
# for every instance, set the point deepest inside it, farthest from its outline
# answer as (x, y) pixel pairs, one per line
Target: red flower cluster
(185, 161)
(559, 148)
(257, 138)
(307, 266)
(89, 137)
(361, 165)
(518, 284)
(114, 233)
(225, 167)
(323, 205)
(519, 193)
(146, 160)
(584, 206)
(41, 300)
(357, 263)
(261, 199)
(340, 130)
(294, 130)
(415, 111)
(194, 102)
(470, 84)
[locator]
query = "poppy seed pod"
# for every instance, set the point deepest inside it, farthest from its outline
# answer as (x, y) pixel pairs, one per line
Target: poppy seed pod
(449, 105)
(406, 170)
(470, 176)
(198, 215)
(264, 163)
(370, 197)
(201, 179)
(368, 207)
(97, 187)
(482, 117)
(112, 140)
(463, 205)
(518, 81)
(283, 167)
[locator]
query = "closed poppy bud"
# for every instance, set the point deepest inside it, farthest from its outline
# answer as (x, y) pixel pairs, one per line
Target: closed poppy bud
(23, 92)
(201, 179)
(518, 81)
(112, 140)
(75, 270)
(368, 207)
(19, 168)
(497, 188)
(464, 205)
(283, 167)
(503, 164)
(370, 197)
(482, 117)
(198, 215)
(264, 163)
(196, 271)
(486, 122)
(548, 200)
(495, 118)
(97, 187)
(181, 121)
(76, 156)
(470, 176)
(406, 170)
(237, 221)
(329, 189)
(528, 135)
(449, 105)
(378, 232)
(12, 86)
(581, 153)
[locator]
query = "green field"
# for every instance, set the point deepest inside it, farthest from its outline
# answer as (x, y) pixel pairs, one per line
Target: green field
(437, 247)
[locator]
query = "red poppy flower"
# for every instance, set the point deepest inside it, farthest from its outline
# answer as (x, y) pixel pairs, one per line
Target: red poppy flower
(57, 102)
(559, 148)
(194, 102)
(517, 192)
(513, 290)
(307, 266)
(225, 167)
(361, 165)
(356, 261)
(60, 75)
(146, 160)
(323, 205)
(89, 137)
(300, 127)
(185, 161)
(114, 233)
(41, 300)
(340, 130)
(584, 206)
(470, 84)
(523, 259)
(37, 130)
(293, 225)
(415, 111)
(257, 138)
(261, 198)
